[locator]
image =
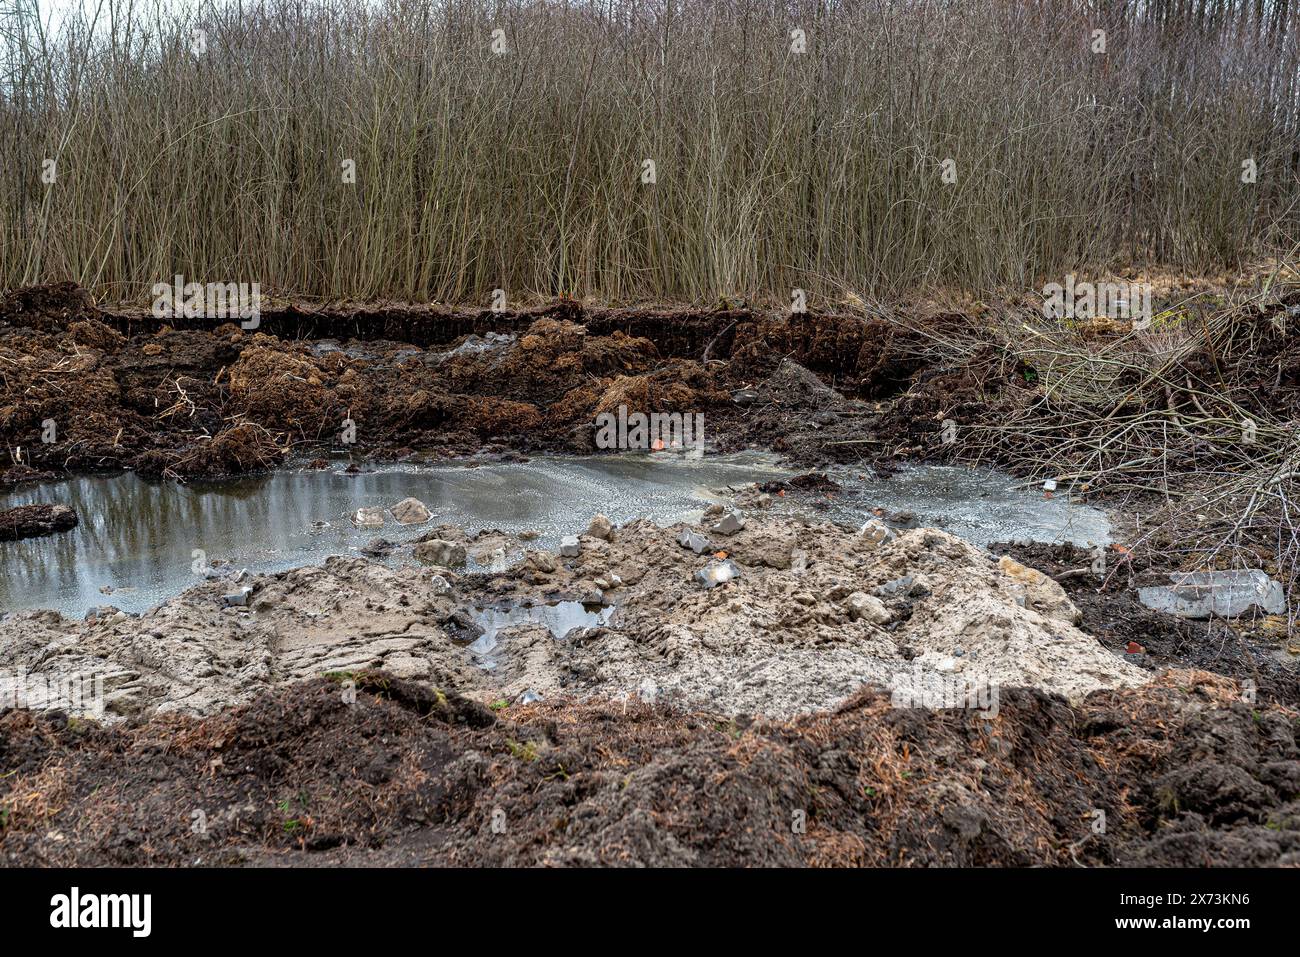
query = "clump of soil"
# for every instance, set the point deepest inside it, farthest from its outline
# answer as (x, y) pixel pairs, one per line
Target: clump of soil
(237, 449)
(279, 383)
(369, 769)
(809, 482)
(48, 308)
(29, 521)
(22, 474)
(551, 358)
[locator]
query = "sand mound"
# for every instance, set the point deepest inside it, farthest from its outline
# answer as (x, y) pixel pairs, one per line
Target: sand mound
(926, 614)
(816, 613)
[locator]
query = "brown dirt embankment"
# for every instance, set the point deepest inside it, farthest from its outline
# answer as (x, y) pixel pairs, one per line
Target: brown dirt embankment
(1094, 402)
(1180, 772)
(197, 399)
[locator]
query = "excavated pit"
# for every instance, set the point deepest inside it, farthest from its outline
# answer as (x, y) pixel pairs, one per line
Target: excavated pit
(921, 699)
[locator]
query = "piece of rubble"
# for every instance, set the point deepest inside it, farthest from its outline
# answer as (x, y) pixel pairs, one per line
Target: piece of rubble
(864, 607)
(601, 528)
(1039, 592)
(411, 511)
(717, 572)
(570, 547)
(370, 516)
(729, 524)
(910, 586)
(694, 541)
(875, 531)
(439, 551)
(542, 561)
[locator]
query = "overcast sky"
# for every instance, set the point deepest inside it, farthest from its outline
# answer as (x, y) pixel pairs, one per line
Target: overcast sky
(53, 10)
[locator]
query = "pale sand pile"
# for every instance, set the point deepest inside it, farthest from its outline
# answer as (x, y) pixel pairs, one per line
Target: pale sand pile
(778, 640)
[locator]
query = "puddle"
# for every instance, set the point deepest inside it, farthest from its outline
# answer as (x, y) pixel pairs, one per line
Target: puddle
(977, 504)
(142, 542)
(559, 617)
(140, 538)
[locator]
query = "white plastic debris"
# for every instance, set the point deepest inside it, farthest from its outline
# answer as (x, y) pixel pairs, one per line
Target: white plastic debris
(1226, 594)
(717, 572)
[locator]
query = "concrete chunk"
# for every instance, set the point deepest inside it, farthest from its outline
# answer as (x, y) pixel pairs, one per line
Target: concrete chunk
(694, 541)
(411, 511)
(438, 551)
(729, 524)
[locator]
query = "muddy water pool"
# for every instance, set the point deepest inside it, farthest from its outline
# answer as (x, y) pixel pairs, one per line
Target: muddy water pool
(140, 542)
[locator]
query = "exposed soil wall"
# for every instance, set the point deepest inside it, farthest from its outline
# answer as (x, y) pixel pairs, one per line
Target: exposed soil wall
(188, 398)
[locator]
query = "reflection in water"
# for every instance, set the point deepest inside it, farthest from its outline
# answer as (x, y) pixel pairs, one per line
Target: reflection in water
(142, 538)
(977, 504)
